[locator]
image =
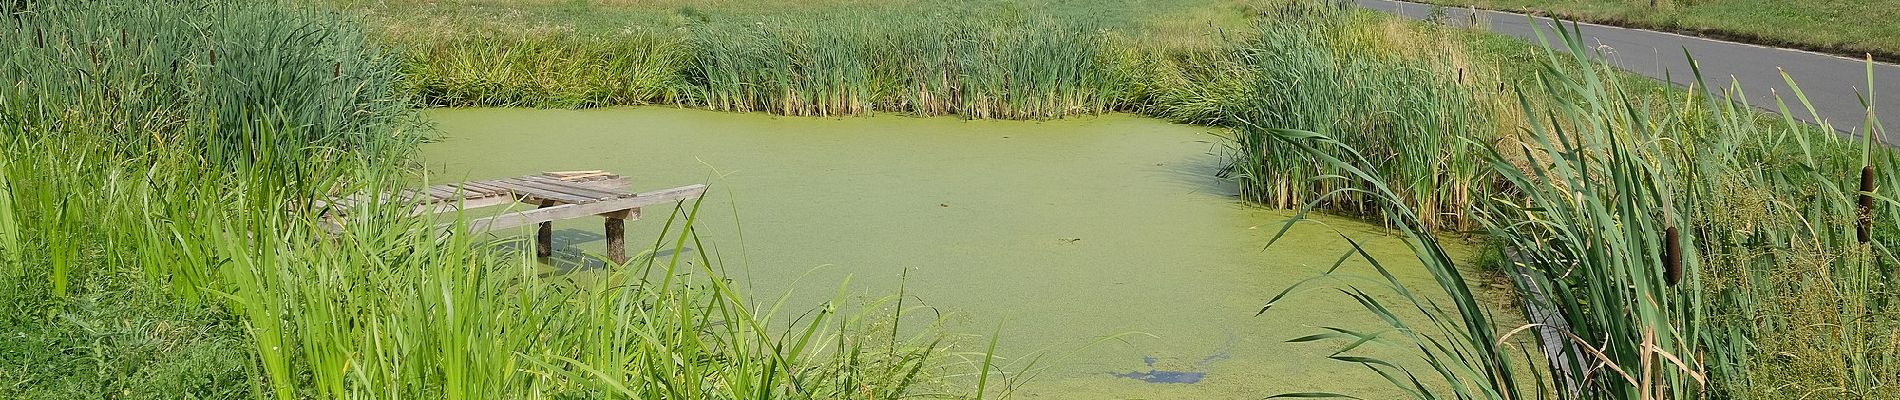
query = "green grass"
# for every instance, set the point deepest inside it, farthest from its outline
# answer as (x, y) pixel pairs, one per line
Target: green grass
(1694, 251)
(1145, 18)
(159, 161)
(114, 341)
(1846, 27)
(916, 65)
(1327, 69)
(973, 59)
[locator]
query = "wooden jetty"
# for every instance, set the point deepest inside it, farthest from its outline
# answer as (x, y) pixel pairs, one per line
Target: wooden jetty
(560, 195)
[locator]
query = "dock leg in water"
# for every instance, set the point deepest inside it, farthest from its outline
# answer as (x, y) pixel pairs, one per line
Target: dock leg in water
(544, 238)
(617, 239)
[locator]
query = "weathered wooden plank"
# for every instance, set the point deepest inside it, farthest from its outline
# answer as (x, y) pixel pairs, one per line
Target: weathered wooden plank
(524, 181)
(345, 204)
(463, 192)
(483, 188)
(589, 194)
(545, 191)
(576, 185)
(405, 196)
(627, 214)
(477, 190)
(494, 186)
(577, 174)
(596, 179)
(465, 204)
(614, 183)
(521, 189)
(576, 188)
(441, 192)
(567, 211)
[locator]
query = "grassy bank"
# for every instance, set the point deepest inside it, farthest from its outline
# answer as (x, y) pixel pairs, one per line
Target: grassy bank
(1195, 62)
(1848, 28)
(1694, 251)
(160, 159)
(1423, 126)
(1017, 61)
(156, 241)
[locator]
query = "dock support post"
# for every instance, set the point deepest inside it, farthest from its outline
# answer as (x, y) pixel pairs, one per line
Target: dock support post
(617, 239)
(544, 238)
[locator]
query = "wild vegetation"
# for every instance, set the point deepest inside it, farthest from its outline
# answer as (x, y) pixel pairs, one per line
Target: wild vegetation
(1693, 251)
(1850, 28)
(160, 159)
(1403, 95)
(158, 165)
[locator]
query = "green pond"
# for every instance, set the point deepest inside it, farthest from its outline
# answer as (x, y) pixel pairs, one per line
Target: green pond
(1061, 232)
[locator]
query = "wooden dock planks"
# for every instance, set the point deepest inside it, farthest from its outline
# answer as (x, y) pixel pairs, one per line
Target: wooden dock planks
(567, 211)
(560, 195)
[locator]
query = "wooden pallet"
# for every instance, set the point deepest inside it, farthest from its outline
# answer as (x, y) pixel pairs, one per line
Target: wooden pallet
(560, 195)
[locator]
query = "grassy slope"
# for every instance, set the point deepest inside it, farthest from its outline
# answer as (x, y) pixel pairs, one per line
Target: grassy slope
(1161, 19)
(1781, 362)
(154, 158)
(1849, 27)
(980, 59)
(1171, 23)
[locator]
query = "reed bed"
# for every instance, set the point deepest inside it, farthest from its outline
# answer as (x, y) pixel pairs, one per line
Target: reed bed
(833, 66)
(1305, 65)
(557, 70)
(155, 75)
(923, 65)
(159, 159)
(158, 241)
(1693, 251)
(1331, 69)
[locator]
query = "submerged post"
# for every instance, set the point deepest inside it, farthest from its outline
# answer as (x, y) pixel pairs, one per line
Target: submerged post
(544, 238)
(617, 239)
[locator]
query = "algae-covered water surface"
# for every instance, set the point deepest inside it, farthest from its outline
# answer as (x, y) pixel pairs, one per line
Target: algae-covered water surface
(1061, 233)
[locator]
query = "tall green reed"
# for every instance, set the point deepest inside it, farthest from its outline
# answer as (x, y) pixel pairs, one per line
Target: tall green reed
(10, 241)
(392, 307)
(1305, 70)
(1692, 250)
(975, 66)
(561, 70)
(199, 187)
(923, 64)
(145, 75)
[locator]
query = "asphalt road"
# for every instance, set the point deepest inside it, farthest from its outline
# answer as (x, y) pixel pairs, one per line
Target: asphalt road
(1834, 84)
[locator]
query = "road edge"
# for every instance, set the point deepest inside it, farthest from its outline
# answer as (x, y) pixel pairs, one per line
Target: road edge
(1883, 56)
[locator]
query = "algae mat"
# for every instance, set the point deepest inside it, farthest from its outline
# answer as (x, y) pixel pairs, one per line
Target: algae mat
(1060, 232)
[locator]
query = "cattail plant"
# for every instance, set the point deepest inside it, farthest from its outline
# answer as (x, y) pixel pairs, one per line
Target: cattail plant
(1864, 215)
(1770, 297)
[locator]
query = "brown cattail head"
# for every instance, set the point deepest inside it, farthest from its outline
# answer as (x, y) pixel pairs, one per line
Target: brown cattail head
(39, 38)
(1672, 256)
(214, 57)
(1864, 218)
(339, 71)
